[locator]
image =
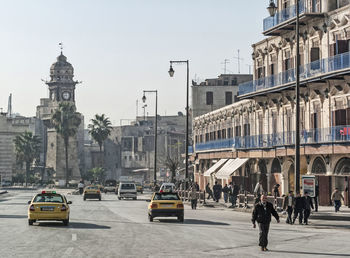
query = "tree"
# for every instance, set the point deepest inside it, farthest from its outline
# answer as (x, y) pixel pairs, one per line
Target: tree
(66, 122)
(98, 174)
(172, 164)
(99, 129)
(27, 148)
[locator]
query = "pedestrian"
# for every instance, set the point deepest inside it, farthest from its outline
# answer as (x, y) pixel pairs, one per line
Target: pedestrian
(262, 214)
(288, 206)
(217, 189)
(225, 190)
(276, 191)
(307, 208)
(81, 187)
(235, 194)
(299, 208)
(336, 199)
(193, 197)
(197, 186)
(209, 192)
(258, 191)
(317, 191)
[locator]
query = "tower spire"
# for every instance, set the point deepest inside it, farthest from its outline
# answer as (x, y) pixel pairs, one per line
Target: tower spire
(61, 47)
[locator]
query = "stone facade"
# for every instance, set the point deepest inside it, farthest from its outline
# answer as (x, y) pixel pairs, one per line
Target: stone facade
(216, 93)
(261, 126)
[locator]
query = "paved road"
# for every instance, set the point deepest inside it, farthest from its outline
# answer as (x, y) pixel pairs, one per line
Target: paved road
(113, 228)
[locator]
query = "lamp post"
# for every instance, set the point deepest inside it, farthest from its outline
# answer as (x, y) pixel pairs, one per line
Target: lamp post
(171, 73)
(272, 10)
(155, 131)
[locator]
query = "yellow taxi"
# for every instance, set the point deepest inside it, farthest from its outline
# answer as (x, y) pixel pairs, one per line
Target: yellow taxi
(165, 204)
(92, 192)
(48, 205)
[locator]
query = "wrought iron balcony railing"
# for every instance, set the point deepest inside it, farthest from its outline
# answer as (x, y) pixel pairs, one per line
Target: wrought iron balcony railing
(316, 68)
(336, 134)
(284, 15)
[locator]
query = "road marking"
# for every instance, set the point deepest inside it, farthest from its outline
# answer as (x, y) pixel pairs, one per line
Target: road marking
(74, 237)
(68, 251)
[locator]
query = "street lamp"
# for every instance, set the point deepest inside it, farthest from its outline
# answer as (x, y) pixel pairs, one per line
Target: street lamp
(155, 131)
(171, 73)
(272, 10)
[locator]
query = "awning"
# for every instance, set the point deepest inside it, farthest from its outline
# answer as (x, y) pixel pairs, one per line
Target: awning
(141, 170)
(215, 167)
(230, 167)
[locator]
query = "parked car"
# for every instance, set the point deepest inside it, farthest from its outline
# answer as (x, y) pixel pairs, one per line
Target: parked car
(110, 186)
(6, 183)
(167, 187)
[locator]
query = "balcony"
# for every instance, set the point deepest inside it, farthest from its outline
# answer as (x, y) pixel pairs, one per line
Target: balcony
(285, 19)
(325, 68)
(333, 135)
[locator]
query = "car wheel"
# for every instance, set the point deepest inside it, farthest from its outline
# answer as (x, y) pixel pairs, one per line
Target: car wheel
(180, 218)
(84, 199)
(119, 198)
(66, 222)
(99, 199)
(135, 198)
(30, 222)
(150, 218)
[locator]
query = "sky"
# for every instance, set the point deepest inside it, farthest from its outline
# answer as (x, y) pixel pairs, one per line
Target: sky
(121, 47)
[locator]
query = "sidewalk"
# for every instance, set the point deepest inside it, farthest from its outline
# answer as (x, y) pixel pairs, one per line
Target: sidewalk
(324, 212)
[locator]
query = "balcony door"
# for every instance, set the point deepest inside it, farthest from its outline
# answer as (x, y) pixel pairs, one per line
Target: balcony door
(316, 6)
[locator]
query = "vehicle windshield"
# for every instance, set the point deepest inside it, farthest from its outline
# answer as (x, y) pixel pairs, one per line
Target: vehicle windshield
(166, 197)
(128, 186)
(48, 198)
(167, 187)
(93, 187)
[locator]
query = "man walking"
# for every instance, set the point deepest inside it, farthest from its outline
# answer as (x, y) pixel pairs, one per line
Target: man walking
(308, 206)
(262, 214)
(288, 206)
(299, 208)
(258, 191)
(317, 191)
(336, 199)
(193, 197)
(225, 190)
(217, 189)
(209, 191)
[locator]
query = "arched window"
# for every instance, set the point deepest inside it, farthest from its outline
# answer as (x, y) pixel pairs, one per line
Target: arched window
(343, 166)
(318, 166)
(276, 166)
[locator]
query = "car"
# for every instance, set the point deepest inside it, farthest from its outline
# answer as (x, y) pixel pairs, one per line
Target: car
(127, 190)
(139, 188)
(92, 192)
(166, 204)
(49, 205)
(167, 187)
(110, 186)
(6, 183)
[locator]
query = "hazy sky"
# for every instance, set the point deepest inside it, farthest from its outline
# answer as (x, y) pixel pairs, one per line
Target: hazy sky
(121, 47)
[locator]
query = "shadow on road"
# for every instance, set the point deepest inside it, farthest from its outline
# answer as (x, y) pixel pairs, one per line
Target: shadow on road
(309, 253)
(77, 225)
(195, 222)
(10, 216)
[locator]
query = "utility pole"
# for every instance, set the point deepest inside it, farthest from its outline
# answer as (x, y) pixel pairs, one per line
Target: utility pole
(226, 61)
(238, 61)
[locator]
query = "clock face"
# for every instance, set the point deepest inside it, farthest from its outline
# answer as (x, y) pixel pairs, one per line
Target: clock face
(66, 95)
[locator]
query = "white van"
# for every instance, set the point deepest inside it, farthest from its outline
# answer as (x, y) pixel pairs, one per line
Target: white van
(127, 190)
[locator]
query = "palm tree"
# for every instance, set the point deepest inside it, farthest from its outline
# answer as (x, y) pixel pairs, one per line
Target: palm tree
(66, 122)
(99, 129)
(27, 148)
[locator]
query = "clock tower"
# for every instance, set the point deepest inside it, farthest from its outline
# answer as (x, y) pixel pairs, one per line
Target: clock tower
(61, 89)
(61, 84)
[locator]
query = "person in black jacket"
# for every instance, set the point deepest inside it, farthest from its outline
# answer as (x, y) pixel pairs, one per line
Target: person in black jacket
(299, 208)
(308, 206)
(262, 214)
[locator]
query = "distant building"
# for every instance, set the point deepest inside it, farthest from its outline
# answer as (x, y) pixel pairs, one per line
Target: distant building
(216, 93)
(129, 150)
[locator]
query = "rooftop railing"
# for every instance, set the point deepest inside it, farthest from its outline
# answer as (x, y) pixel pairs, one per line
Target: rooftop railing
(284, 15)
(316, 68)
(336, 134)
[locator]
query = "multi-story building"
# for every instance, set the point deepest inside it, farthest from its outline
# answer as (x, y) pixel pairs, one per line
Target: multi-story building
(216, 93)
(129, 150)
(254, 138)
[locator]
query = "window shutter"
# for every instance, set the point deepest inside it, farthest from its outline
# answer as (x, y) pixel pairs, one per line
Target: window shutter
(315, 54)
(343, 46)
